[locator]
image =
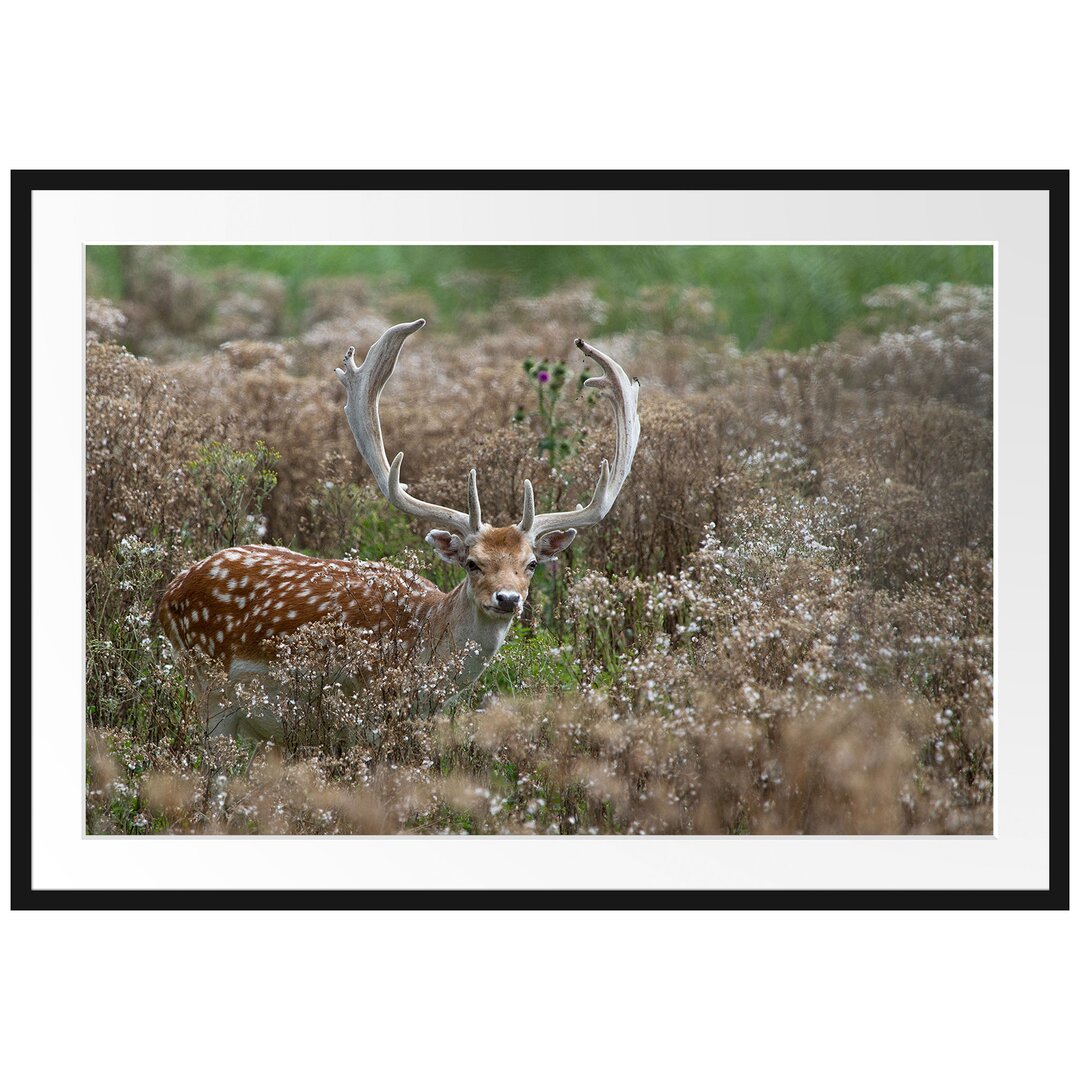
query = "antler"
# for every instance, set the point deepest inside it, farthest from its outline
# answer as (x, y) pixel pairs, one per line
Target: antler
(364, 385)
(617, 387)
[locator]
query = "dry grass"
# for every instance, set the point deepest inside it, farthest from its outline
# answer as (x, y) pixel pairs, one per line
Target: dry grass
(785, 624)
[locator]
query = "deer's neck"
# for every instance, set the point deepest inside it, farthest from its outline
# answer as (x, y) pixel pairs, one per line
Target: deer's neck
(460, 622)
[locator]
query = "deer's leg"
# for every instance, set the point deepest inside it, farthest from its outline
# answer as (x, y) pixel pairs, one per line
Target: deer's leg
(260, 719)
(223, 717)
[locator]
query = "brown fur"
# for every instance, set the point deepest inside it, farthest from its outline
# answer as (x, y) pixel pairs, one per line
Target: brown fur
(251, 594)
(503, 556)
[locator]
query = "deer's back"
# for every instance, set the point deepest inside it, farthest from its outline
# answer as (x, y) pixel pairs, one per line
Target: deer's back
(228, 605)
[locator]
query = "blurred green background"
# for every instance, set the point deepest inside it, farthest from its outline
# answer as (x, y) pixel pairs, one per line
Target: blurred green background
(780, 296)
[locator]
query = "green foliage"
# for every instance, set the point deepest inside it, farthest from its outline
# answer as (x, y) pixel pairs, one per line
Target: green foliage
(346, 518)
(233, 485)
(774, 296)
(531, 661)
(131, 681)
(560, 444)
(556, 440)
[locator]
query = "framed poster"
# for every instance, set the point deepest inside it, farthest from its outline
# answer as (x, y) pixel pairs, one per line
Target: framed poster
(800, 659)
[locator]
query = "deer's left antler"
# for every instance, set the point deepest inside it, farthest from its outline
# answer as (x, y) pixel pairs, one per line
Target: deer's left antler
(622, 393)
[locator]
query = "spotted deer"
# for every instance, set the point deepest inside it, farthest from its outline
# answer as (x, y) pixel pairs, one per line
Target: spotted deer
(234, 606)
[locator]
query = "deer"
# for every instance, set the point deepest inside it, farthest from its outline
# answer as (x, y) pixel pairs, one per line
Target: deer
(234, 607)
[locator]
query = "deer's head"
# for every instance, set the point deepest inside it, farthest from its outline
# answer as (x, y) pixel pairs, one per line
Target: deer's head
(499, 561)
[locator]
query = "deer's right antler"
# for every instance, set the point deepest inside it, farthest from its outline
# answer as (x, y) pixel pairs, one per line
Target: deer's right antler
(364, 385)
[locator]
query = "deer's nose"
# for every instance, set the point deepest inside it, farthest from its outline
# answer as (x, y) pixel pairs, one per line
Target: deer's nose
(507, 601)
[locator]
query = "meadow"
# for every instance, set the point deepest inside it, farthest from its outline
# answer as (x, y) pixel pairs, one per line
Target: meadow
(785, 625)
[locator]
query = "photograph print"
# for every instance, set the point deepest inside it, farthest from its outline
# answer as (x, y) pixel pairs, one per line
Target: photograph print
(539, 540)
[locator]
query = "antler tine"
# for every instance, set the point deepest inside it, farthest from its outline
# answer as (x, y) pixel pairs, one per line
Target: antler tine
(622, 393)
(364, 385)
(474, 503)
(529, 511)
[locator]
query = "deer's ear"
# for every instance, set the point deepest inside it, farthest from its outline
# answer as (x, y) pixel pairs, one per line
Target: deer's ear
(550, 545)
(448, 546)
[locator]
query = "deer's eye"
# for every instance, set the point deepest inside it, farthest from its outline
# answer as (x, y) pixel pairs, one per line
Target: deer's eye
(531, 567)
(472, 566)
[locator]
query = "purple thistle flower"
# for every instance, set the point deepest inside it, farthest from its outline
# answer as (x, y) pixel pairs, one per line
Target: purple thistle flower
(542, 376)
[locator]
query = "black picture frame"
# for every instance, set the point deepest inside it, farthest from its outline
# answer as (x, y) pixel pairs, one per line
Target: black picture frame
(24, 184)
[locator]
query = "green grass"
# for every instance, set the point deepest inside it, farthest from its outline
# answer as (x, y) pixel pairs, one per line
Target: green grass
(533, 658)
(766, 296)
